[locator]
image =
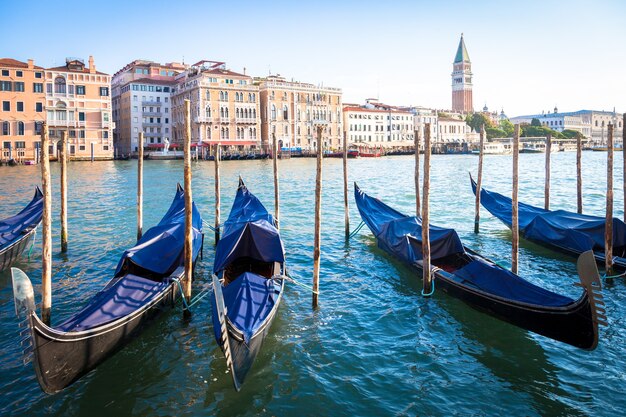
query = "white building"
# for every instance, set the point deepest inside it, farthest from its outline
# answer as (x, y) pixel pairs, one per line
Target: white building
(378, 124)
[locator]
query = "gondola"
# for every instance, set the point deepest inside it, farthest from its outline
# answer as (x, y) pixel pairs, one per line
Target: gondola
(144, 283)
(560, 230)
(248, 282)
(485, 286)
(17, 232)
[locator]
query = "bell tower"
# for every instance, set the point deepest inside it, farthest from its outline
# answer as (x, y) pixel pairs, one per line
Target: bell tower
(462, 80)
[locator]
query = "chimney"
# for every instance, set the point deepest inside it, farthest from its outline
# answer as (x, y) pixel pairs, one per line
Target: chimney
(31, 64)
(92, 66)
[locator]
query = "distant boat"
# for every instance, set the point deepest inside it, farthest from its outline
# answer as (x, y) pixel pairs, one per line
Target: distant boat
(144, 283)
(495, 148)
(485, 286)
(248, 282)
(17, 232)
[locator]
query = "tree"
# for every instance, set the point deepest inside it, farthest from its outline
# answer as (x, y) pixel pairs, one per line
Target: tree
(493, 132)
(535, 122)
(507, 127)
(535, 131)
(476, 120)
(572, 134)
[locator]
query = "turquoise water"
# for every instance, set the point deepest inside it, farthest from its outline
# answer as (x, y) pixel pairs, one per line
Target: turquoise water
(374, 346)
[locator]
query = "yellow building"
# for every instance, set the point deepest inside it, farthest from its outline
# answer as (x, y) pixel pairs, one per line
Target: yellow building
(291, 110)
(22, 113)
(224, 107)
(78, 101)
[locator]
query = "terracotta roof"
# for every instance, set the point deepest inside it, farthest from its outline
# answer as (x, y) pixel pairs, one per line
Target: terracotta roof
(10, 62)
(65, 69)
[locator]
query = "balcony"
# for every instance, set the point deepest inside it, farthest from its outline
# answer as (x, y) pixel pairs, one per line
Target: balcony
(245, 120)
(224, 120)
(63, 123)
(153, 124)
(151, 103)
(204, 119)
(152, 113)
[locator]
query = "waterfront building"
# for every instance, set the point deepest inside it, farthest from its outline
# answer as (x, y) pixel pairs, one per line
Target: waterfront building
(291, 110)
(462, 80)
(421, 116)
(591, 123)
(375, 124)
(141, 100)
(23, 100)
(78, 100)
(453, 130)
(224, 107)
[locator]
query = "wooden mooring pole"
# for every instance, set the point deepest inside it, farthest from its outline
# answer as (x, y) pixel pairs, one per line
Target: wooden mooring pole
(346, 211)
(608, 231)
(515, 214)
(140, 187)
(188, 205)
(64, 148)
(46, 235)
(479, 180)
(318, 218)
(276, 190)
(417, 172)
(546, 191)
(624, 161)
(426, 273)
(579, 175)
(216, 160)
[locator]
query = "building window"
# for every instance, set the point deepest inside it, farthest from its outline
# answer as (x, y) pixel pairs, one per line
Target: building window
(273, 116)
(5, 73)
(20, 106)
(37, 87)
(38, 75)
(80, 90)
(81, 148)
(6, 129)
(6, 106)
(59, 85)
(81, 116)
(20, 144)
(81, 134)
(105, 134)
(5, 86)
(38, 126)
(104, 91)
(285, 112)
(20, 130)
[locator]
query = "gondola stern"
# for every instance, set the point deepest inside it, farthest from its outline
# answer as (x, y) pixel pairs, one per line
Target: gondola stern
(590, 281)
(225, 339)
(23, 293)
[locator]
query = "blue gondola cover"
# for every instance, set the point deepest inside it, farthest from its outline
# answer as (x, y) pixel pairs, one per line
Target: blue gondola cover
(401, 235)
(161, 249)
(249, 231)
(572, 231)
(249, 299)
(14, 227)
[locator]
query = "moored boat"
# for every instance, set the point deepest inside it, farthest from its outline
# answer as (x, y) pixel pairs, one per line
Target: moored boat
(560, 230)
(144, 283)
(485, 286)
(248, 282)
(17, 232)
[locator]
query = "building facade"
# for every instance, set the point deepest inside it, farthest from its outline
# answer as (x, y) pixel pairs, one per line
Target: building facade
(462, 101)
(141, 99)
(78, 100)
(374, 124)
(224, 107)
(23, 109)
(291, 110)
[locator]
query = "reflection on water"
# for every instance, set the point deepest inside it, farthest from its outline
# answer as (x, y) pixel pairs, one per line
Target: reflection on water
(374, 347)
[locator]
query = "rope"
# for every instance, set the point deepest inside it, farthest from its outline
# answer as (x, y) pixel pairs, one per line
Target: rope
(614, 276)
(188, 304)
(357, 230)
(182, 294)
(32, 244)
(211, 227)
(290, 279)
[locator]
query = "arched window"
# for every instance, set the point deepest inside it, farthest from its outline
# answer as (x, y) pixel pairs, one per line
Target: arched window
(237, 114)
(221, 111)
(254, 113)
(226, 111)
(20, 128)
(59, 85)
(6, 128)
(298, 115)
(285, 112)
(226, 95)
(308, 115)
(273, 116)
(298, 130)
(221, 95)
(227, 130)
(207, 111)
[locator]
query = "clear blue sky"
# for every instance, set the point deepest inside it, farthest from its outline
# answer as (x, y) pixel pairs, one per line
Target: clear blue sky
(526, 57)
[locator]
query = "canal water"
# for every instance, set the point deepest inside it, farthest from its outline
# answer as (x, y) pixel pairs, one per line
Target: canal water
(375, 346)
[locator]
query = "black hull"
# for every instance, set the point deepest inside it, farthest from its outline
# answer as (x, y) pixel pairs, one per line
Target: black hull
(14, 251)
(61, 358)
(573, 324)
